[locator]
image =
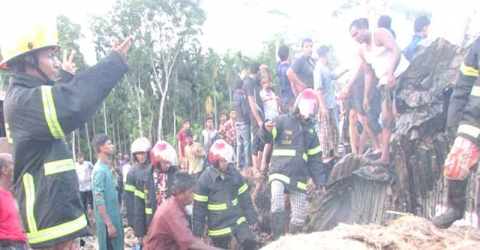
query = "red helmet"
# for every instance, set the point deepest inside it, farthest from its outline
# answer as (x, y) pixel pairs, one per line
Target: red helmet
(307, 103)
(221, 150)
(140, 145)
(162, 151)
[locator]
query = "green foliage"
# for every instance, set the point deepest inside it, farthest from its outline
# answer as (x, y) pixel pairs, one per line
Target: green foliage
(69, 35)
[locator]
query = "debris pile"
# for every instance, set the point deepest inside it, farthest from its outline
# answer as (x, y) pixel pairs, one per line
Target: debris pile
(404, 233)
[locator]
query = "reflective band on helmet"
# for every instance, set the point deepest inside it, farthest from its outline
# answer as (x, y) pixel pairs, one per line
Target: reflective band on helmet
(129, 187)
(469, 130)
(242, 189)
(29, 187)
(286, 180)
(475, 91)
(200, 198)
(314, 151)
(274, 133)
(227, 230)
(51, 113)
(58, 231)
(222, 206)
(140, 194)
(148, 211)
(468, 70)
(55, 167)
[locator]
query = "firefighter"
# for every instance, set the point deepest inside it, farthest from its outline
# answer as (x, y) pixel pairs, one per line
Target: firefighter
(223, 196)
(44, 103)
(469, 72)
(140, 150)
(296, 156)
(465, 152)
(154, 186)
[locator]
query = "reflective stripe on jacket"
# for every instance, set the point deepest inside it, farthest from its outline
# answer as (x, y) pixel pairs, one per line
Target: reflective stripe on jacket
(37, 119)
(226, 201)
(145, 199)
(296, 154)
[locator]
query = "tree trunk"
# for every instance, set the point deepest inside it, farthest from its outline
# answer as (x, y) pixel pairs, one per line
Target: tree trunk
(78, 141)
(93, 123)
(215, 111)
(160, 117)
(175, 124)
(88, 142)
(140, 125)
(105, 118)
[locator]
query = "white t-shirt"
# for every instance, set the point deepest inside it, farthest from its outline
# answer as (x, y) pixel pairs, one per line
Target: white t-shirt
(270, 104)
(125, 170)
(84, 173)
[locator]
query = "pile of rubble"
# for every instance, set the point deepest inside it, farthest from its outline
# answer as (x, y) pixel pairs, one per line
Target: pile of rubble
(404, 233)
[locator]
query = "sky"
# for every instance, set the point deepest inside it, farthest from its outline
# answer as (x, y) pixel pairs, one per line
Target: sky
(245, 24)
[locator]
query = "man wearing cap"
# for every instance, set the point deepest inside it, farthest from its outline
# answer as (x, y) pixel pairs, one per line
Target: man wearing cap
(44, 102)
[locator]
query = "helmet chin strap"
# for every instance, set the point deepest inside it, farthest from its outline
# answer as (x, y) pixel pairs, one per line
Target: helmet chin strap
(36, 66)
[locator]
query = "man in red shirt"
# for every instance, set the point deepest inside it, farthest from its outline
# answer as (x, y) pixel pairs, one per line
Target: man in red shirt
(170, 228)
(181, 143)
(11, 232)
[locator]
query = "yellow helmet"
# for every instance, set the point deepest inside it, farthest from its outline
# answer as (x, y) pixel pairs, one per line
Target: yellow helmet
(21, 41)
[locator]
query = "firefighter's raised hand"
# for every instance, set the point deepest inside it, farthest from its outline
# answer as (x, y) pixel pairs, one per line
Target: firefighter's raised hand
(67, 62)
(269, 125)
(112, 232)
(123, 48)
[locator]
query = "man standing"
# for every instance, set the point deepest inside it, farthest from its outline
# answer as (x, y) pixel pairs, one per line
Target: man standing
(300, 73)
(253, 86)
(380, 53)
(182, 143)
(170, 228)
(421, 32)
(287, 97)
(84, 173)
(228, 130)
(12, 236)
(45, 102)
(222, 197)
(195, 154)
(209, 135)
(242, 113)
(107, 208)
(463, 116)
(327, 118)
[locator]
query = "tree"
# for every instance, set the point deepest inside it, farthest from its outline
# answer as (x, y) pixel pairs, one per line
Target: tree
(161, 30)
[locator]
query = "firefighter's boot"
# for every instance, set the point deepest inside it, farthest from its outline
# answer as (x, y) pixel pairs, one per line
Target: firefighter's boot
(456, 204)
(294, 229)
(278, 224)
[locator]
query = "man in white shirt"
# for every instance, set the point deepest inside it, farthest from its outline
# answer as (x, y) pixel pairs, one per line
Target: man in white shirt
(84, 173)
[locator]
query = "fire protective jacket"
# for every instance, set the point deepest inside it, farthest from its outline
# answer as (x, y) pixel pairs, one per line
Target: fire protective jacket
(226, 202)
(136, 171)
(38, 116)
(296, 153)
(470, 123)
(145, 199)
(469, 72)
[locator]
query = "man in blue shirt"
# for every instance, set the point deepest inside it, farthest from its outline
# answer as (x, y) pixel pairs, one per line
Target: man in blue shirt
(283, 64)
(421, 32)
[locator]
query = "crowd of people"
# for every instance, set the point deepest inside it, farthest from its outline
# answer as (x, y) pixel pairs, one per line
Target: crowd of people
(173, 198)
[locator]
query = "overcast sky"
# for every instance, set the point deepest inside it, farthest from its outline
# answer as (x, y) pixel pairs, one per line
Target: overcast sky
(245, 24)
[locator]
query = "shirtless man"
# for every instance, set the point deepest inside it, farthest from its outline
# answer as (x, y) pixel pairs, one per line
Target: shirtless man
(380, 55)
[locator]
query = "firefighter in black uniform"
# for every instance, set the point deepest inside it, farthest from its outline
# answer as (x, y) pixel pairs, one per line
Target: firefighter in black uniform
(223, 196)
(296, 156)
(140, 150)
(154, 186)
(464, 112)
(44, 103)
